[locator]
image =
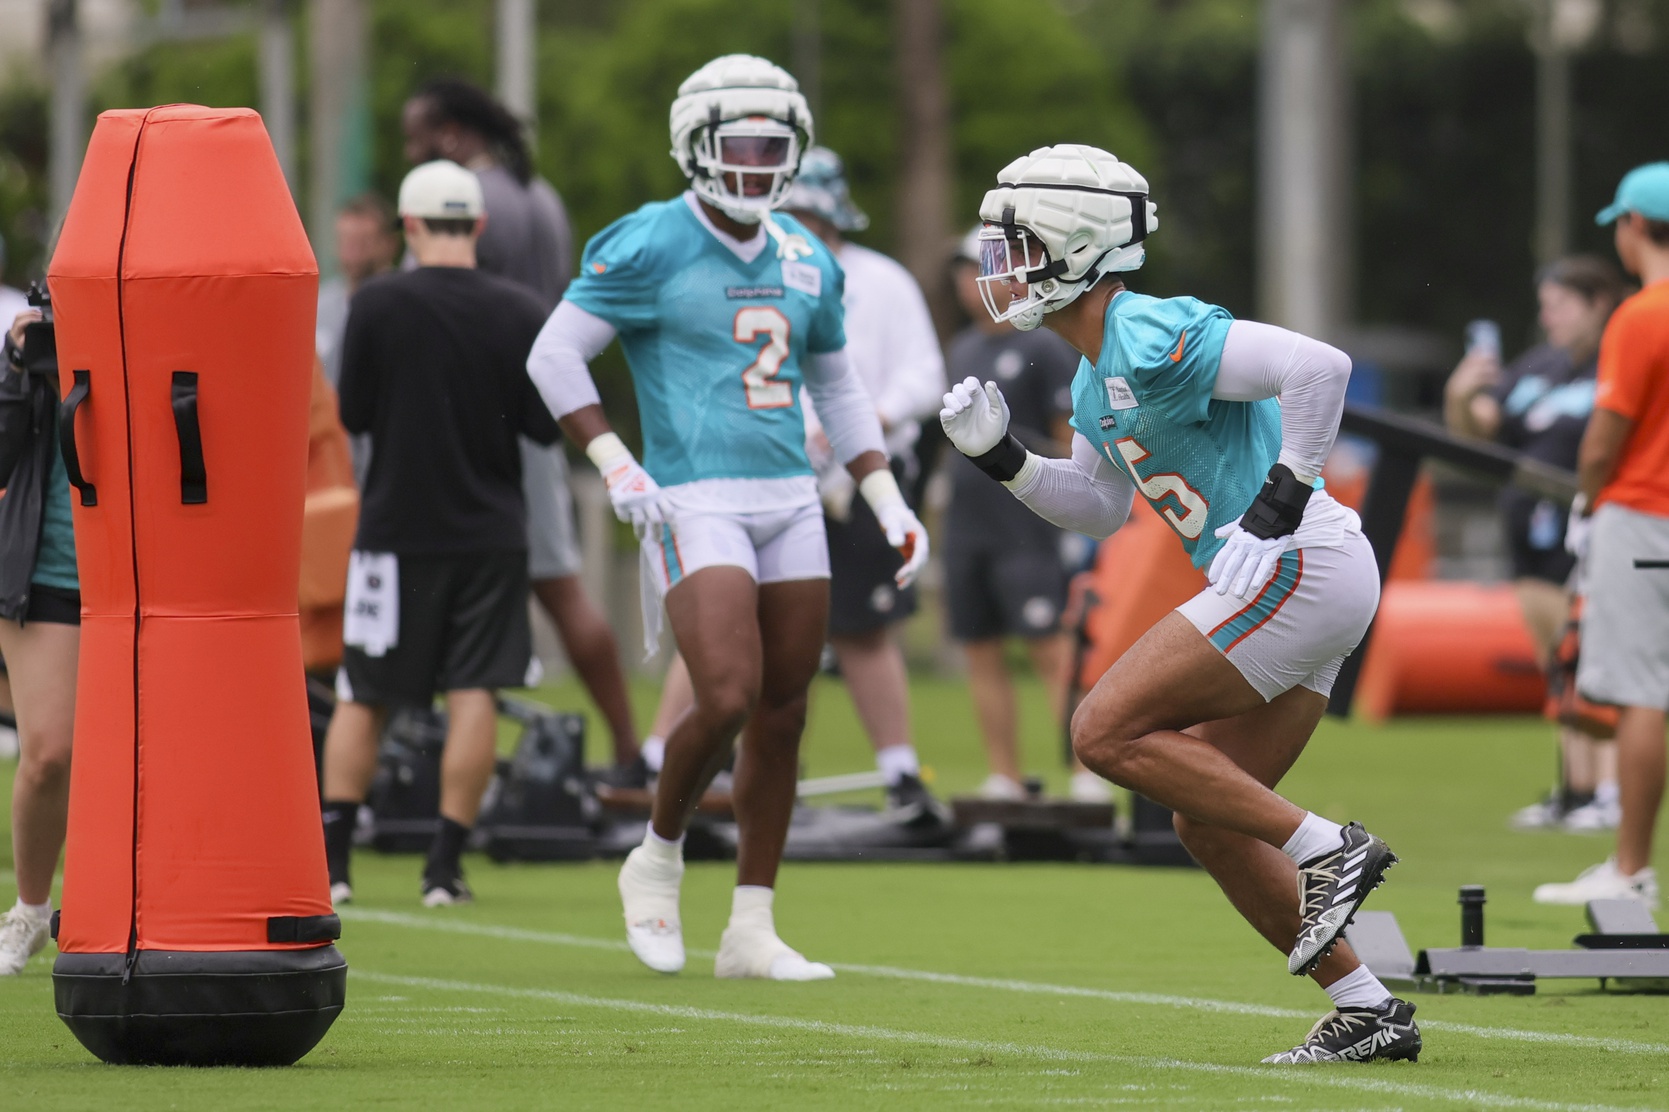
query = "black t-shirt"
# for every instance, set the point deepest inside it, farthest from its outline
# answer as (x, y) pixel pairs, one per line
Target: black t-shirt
(1035, 372)
(1545, 403)
(434, 367)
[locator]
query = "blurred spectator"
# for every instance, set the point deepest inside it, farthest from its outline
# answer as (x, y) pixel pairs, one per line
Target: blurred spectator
(528, 241)
(895, 352)
(1623, 471)
(1004, 576)
(366, 246)
(40, 635)
(1539, 405)
(434, 367)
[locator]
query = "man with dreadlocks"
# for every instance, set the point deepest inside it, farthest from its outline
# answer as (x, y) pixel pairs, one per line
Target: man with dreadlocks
(527, 240)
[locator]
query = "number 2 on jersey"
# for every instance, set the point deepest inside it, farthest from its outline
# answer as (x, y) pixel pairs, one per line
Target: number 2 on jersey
(760, 378)
(1190, 522)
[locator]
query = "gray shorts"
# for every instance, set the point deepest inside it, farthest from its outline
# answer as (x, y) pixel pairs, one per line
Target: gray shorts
(1625, 618)
(553, 551)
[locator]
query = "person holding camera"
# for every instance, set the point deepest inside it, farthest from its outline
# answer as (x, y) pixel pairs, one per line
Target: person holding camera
(1538, 405)
(40, 620)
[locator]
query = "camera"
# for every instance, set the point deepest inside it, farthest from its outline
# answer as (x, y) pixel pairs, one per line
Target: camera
(40, 340)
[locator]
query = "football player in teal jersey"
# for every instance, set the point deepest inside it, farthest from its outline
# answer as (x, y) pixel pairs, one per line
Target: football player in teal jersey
(724, 310)
(1223, 426)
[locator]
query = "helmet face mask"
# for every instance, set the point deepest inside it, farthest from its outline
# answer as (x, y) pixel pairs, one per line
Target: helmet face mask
(1007, 262)
(745, 166)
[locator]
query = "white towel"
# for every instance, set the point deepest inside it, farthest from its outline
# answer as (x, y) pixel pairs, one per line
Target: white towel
(371, 617)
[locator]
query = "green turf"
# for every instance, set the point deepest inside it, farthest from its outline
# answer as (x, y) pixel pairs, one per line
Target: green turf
(1071, 985)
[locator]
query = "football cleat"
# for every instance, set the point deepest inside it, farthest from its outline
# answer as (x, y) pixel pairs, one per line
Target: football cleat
(1386, 1033)
(446, 892)
(1331, 887)
(341, 892)
(649, 895)
(23, 934)
(755, 951)
(910, 804)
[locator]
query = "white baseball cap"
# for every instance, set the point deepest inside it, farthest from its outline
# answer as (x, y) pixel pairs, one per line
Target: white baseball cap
(441, 190)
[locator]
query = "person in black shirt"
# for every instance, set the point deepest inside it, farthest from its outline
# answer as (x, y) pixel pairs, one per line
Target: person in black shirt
(1004, 576)
(1539, 405)
(434, 368)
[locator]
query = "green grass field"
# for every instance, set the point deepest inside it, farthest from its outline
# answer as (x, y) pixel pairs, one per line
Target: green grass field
(960, 986)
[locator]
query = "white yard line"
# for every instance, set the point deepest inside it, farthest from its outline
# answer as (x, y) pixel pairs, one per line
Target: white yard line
(1229, 1007)
(1274, 1078)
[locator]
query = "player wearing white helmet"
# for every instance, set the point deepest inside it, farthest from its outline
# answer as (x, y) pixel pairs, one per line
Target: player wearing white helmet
(724, 310)
(1223, 425)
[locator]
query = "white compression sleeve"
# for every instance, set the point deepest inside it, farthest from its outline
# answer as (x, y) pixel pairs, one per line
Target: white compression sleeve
(1263, 361)
(1085, 494)
(570, 339)
(843, 405)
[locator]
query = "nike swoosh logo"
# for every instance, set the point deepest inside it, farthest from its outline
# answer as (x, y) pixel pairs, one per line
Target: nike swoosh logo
(1176, 356)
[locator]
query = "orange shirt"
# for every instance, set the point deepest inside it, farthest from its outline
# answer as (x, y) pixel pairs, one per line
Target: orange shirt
(1634, 382)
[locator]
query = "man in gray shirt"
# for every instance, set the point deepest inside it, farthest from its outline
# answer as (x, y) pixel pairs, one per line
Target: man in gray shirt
(527, 240)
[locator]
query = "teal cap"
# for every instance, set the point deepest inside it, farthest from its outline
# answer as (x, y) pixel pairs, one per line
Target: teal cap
(1644, 189)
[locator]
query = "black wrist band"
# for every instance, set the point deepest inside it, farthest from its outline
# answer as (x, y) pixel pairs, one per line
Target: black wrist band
(1279, 507)
(1004, 461)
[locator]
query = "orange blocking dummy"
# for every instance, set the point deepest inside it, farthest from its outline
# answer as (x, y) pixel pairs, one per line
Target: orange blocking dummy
(196, 925)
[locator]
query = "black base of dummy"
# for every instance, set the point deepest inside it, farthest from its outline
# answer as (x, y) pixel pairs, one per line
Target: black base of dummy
(247, 1008)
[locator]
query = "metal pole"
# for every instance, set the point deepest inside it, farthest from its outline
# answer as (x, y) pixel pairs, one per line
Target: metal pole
(278, 86)
(517, 42)
(808, 54)
(1304, 235)
(1553, 135)
(336, 53)
(69, 105)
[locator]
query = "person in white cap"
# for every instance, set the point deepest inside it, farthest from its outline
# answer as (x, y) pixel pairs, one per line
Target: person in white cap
(434, 368)
(1223, 426)
(723, 310)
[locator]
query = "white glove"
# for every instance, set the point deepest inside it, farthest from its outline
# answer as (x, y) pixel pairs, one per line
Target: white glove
(903, 528)
(1244, 563)
(636, 497)
(975, 417)
(1578, 527)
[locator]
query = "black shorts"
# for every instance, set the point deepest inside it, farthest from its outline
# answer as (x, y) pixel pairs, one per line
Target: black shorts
(862, 593)
(55, 605)
(463, 625)
(991, 591)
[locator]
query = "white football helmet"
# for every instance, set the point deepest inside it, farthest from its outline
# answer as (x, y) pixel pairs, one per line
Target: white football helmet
(1059, 219)
(738, 118)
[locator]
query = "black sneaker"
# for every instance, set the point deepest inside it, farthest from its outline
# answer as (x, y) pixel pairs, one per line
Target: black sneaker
(446, 891)
(1331, 888)
(1358, 1035)
(910, 804)
(633, 774)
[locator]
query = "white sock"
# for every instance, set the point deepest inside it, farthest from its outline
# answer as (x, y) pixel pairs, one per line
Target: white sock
(654, 752)
(1358, 989)
(661, 852)
(39, 911)
(896, 762)
(1314, 837)
(1607, 793)
(750, 904)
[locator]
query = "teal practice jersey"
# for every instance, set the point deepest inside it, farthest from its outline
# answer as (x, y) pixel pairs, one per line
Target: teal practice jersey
(715, 344)
(1147, 405)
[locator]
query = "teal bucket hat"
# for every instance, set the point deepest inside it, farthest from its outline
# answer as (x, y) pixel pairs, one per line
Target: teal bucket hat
(1644, 189)
(820, 188)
